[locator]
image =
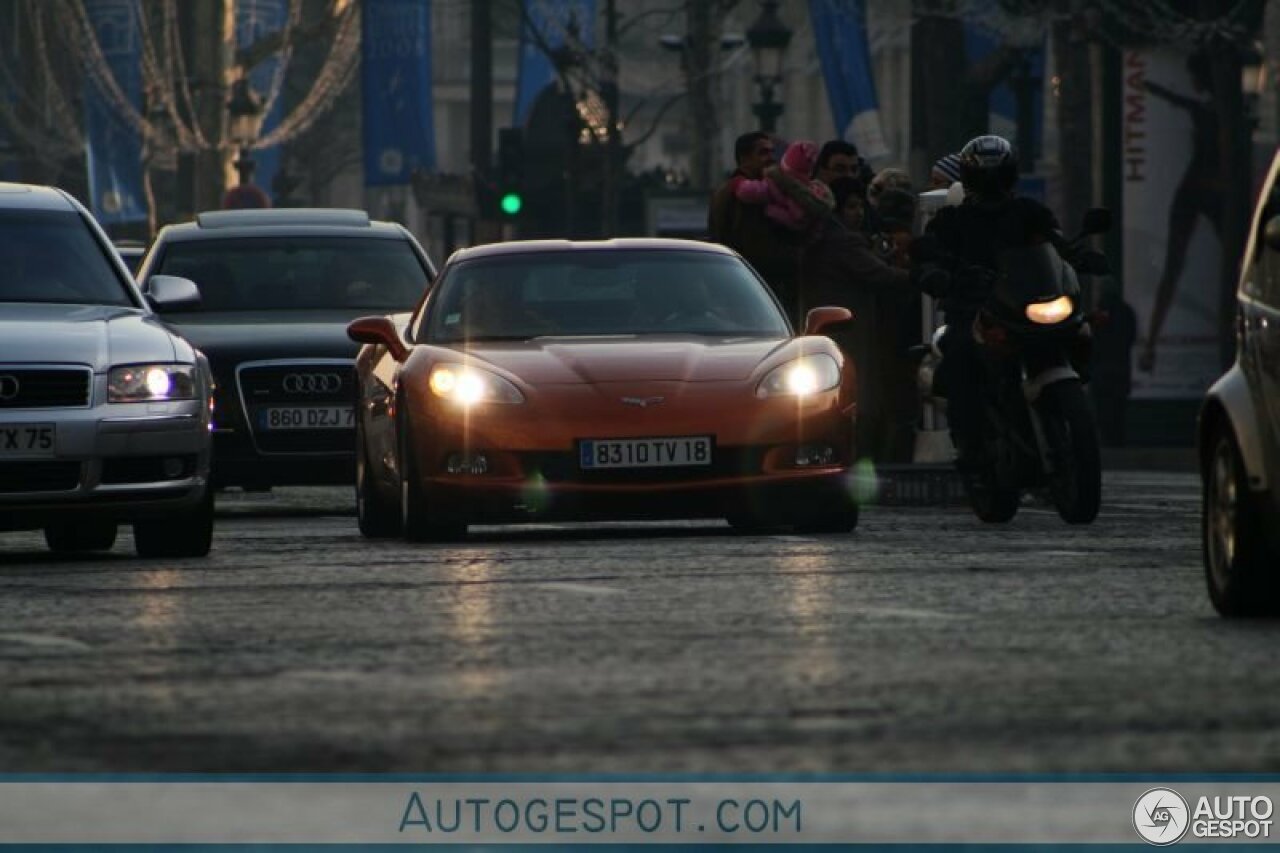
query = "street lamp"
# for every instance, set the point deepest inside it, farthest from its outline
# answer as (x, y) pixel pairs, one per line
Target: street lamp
(768, 38)
(245, 108)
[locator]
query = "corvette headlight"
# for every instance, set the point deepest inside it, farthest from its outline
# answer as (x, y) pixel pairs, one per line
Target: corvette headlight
(468, 386)
(1048, 313)
(141, 383)
(802, 377)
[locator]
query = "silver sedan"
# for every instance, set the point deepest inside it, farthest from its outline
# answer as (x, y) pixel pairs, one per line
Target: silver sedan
(104, 411)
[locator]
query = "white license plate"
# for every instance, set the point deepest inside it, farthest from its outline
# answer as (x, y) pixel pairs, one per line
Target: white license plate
(28, 441)
(306, 417)
(679, 451)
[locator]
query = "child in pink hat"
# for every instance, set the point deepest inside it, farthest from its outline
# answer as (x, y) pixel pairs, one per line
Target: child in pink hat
(792, 197)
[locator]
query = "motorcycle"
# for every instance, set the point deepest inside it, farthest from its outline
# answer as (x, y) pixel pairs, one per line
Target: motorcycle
(1034, 341)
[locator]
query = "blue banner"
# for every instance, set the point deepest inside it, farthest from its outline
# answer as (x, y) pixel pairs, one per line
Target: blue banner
(1003, 101)
(113, 145)
(840, 31)
(547, 26)
(399, 127)
(254, 20)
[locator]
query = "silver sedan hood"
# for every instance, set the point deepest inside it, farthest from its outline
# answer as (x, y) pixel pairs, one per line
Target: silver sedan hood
(96, 335)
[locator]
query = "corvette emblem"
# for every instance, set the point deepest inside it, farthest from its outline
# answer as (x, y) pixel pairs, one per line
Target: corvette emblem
(642, 402)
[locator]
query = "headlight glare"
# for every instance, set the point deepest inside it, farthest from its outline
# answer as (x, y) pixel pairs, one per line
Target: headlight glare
(468, 386)
(1048, 313)
(141, 383)
(803, 377)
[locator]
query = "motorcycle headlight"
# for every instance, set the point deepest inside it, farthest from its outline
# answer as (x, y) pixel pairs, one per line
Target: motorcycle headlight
(1048, 313)
(807, 375)
(468, 386)
(141, 383)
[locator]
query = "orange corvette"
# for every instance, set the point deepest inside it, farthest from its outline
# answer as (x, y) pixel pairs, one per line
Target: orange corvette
(605, 380)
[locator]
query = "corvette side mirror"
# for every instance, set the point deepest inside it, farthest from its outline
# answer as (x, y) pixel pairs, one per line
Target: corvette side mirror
(378, 330)
(820, 318)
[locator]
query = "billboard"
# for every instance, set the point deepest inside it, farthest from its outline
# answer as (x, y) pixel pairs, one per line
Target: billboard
(1173, 196)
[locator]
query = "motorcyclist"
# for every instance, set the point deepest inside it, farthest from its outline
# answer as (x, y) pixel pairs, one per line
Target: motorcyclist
(968, 239)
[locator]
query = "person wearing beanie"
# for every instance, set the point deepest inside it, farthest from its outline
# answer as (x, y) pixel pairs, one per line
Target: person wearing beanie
(945, 172)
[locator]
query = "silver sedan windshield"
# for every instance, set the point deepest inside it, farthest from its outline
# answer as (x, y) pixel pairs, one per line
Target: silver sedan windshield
(50, 256)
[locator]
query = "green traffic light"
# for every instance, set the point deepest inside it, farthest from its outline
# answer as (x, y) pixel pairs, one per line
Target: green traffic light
(511, 203)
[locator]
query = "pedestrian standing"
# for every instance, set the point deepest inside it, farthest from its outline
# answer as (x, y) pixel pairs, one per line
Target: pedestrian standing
(1114, 335)
(842, 268)
(746, 229)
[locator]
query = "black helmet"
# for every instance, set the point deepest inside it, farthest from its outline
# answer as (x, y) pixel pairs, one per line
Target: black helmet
(988, 166)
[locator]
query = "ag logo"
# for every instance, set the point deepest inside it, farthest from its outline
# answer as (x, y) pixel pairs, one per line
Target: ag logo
(1161, 816)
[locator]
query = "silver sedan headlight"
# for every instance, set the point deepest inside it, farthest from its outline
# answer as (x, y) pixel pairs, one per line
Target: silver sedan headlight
(141, 383)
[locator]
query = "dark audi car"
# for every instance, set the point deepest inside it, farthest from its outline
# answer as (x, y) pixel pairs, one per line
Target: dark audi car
(278, 288)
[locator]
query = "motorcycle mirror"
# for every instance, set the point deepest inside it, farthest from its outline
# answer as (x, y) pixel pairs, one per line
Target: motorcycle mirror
(1271, 233)
(1097, 220)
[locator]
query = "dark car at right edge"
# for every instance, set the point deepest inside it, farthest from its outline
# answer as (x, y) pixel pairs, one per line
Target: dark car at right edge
(1239, 434)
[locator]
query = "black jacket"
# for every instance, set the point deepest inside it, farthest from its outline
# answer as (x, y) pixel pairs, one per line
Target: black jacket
(974, 233)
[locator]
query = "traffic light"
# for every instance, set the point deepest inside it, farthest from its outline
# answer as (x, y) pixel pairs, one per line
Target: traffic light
(510, 170)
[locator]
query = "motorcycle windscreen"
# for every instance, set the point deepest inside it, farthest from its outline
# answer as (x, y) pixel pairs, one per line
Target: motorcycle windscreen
(1033, 274)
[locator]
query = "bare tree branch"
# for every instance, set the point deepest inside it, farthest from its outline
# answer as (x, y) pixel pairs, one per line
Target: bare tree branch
(656, 122)
(270, 44)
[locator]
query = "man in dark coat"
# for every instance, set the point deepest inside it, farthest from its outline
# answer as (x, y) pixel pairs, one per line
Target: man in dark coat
(745, 228)
(841, 267)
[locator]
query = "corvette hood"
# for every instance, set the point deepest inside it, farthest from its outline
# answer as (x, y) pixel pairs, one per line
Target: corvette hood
(97, 335)
(240, 336)
(593, 361)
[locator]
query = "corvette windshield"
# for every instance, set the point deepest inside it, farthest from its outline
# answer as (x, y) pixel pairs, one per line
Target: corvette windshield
(605, 292)
(51, 256)
(275, 273)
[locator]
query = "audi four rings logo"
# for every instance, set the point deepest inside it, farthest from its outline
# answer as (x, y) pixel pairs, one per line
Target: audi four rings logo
(312, 383)
(8, 387)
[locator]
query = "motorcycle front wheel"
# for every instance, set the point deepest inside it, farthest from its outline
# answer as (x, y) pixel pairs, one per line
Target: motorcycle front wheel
(1075, 484)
